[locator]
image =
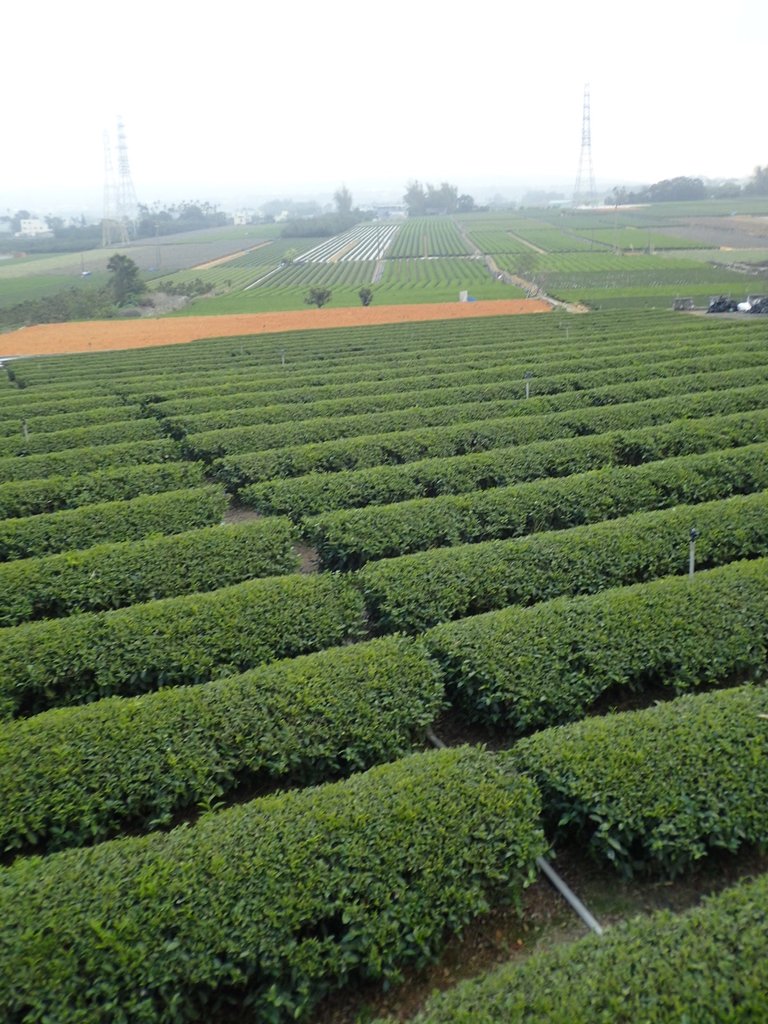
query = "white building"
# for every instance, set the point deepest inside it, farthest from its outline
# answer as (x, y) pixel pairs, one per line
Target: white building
(32, 227)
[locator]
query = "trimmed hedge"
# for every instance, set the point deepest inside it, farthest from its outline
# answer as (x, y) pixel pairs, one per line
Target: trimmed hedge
(525, 668)
(347, 538)
(414, 592)
(480, 435)
(211, 444)
(654, 790)
(77, 437)
(267, 907)
(176, 640)
(115, 575)
(708, 966)
(20, 498)
(17, 404)
(74, 776)
(255, 426)
(460, 364)
(490, 385)
(322, 362)
(321, 492)
(46, 423)
(112, 521)
(89, 459)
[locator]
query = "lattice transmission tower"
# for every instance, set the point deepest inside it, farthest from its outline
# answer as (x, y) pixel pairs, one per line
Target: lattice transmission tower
(584, 190)
(121, 207)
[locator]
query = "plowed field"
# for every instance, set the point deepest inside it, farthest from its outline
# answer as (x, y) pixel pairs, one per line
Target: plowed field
(101, 335)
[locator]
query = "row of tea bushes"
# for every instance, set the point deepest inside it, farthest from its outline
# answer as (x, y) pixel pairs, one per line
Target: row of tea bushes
(430, 442)
(525, 668)
(15, 404)
(74, 776)
(285, 361)
(65, 420)
(414, 592)
(499, 384)
(348, 538)
(656, 790)
(175, 640)
(709, 965)
(236, 440)
(89, 459)
(110, 522)
(322, 492)
(143, 646)
(78, 437)
(115, 575)
(20, 498)
(288, 897)
(519, 669)
(271, 904)
(465, 363)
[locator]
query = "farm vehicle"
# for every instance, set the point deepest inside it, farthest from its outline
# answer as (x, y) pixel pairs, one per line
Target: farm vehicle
(752, 304)
(722, 304)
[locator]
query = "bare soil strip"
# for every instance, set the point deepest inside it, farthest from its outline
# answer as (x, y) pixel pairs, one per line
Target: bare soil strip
(106, 335)
(530, 245)
(229, 258)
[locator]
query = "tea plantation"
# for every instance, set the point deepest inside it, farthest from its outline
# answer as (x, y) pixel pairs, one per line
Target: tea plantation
(244, 581)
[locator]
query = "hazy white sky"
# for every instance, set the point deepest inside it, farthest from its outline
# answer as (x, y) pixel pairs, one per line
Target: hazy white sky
(288, 98)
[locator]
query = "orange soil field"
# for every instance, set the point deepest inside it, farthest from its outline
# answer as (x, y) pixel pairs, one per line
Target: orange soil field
(104, 335)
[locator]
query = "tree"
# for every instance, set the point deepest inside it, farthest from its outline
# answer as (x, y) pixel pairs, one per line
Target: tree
(758, 183)
(526, 264)
(443, 199)
(125, 283)
(366, 296)
(421, 202)
(343, 199)
(318, 297)
(670, 190)
(415, 199)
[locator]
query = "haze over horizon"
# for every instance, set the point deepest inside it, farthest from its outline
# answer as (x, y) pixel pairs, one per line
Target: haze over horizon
(249, 106)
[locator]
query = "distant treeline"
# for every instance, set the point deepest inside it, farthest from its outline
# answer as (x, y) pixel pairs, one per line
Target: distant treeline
(152, 222)
(87, 302)
(324, 226)
(684, 189)
(84, 303)
(190, 215)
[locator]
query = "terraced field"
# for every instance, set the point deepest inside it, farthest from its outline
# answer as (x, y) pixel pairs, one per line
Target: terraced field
(261, 597)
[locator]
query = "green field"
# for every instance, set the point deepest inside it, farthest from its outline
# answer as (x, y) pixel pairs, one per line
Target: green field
(640, 257)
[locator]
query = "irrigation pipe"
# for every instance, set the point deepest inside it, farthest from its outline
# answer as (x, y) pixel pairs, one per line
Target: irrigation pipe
(544, 866)
(568, 895)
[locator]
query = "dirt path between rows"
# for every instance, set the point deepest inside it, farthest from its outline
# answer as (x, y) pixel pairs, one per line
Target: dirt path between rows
(105, 335)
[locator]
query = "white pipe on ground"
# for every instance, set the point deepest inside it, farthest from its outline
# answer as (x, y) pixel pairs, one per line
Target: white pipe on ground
(543, 865)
